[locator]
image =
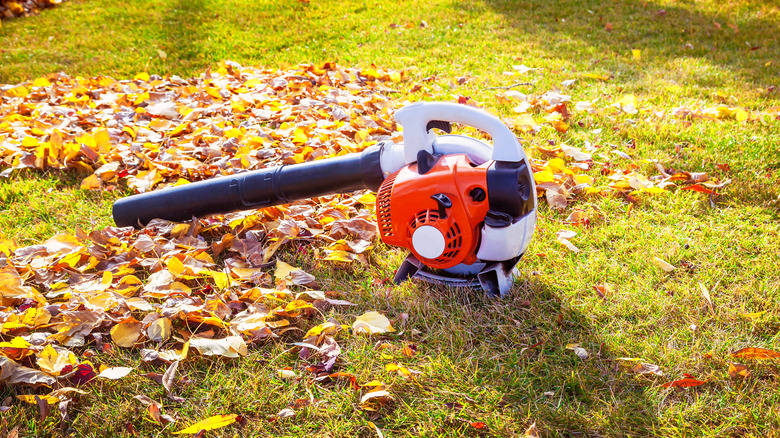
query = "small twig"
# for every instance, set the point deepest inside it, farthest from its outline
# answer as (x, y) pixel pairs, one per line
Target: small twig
(511, 86)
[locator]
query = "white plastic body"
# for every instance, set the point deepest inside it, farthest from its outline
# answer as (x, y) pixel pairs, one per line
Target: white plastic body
(499, 244)
(393, 159)
(415, 117)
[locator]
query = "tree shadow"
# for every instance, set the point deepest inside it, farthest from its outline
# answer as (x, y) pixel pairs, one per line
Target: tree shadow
(184, 31)
(736, 41)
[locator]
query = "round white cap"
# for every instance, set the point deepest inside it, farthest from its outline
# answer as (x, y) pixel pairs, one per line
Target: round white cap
(428, 242)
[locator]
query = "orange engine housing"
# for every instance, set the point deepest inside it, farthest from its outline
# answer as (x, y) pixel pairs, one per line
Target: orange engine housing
(407, 200)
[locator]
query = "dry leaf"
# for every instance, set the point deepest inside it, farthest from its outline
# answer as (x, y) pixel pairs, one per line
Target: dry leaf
(579, 351)
(127, 332)
(169, 377)
(159, 330)
(210, 423)
(684, 383)
(532, 431)
(756, 353)
(738, 370)
(232, 346)
(647, 368)
(115, 372)
(372, 323)
(663, 264)
(706, 296)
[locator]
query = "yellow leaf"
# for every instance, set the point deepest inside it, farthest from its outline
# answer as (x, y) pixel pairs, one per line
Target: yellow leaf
(41, 82)
(559, 125)
(338, 256)
(740, 115)
(103, 141)
(91, 182)
(361, 136)
(666, 266)
(400, 368)
(179, 129)
(367, 199)
(637, 54)
(627, 101)
(299, 136)
(594, 76)
(19, 91)
(372, 323)
(142, 77)
(234, 133)
(52, 362)
(159, 330)
(30, 398)
(544, 176)
(653, 190)
(7, 246)
(126, 333)
(210, 423)
(175, 267)
(327, 328)
(16, 342)
(221, 280)
(583, 179)
(297, 305)
(30, 142)
(557, 165)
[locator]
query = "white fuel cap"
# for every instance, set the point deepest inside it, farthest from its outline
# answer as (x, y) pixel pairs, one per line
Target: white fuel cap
(428, 242)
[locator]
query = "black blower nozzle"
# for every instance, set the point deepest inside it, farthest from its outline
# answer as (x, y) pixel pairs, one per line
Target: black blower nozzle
(252, 190)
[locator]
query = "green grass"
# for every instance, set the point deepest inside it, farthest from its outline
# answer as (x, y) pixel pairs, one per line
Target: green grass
(471, 348)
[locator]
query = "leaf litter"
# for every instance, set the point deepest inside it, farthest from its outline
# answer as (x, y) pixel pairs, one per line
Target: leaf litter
(209, 283)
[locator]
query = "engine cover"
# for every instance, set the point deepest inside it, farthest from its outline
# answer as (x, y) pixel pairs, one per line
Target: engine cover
(435, 208)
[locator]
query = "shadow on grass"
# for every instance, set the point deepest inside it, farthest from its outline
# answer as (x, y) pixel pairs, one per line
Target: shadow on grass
(184, 29)
(507, 362)
(734, 40)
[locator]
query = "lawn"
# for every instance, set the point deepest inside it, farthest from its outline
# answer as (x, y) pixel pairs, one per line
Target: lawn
(654, 91)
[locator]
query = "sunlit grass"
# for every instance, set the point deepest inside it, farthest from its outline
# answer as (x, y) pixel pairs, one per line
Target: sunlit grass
(471, 350)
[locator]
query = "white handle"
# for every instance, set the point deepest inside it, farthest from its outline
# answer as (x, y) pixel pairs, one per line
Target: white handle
(415, 117)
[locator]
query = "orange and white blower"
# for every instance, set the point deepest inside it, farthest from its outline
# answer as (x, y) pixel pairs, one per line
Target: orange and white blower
(465, 210)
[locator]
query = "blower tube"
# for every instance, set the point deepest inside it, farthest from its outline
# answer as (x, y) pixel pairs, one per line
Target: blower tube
(253, 190)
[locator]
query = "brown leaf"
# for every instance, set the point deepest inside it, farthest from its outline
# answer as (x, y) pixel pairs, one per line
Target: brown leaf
(43, 408)
(756, 353)
(684, 383)
(738, 370)
(480, 425)
(603, 290)
(647, 368)
(699, 188)
(13, 373)
(169, 377)
(62, 407)
(532, 431)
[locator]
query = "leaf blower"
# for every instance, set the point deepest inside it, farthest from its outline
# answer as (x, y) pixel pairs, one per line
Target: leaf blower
(465, 211)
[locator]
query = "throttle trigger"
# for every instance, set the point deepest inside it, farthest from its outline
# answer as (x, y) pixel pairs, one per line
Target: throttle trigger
(444, 203)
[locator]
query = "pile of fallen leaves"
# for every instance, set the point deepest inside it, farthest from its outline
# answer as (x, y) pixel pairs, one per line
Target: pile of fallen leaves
(214, 286)
(23, 8)
(217, 285)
